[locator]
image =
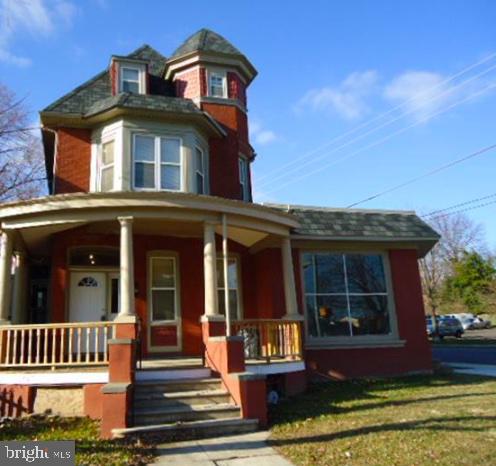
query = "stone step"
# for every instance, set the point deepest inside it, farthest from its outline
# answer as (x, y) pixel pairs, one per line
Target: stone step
(191, 398)
(191, 429)
(174, 386)
(169, 414)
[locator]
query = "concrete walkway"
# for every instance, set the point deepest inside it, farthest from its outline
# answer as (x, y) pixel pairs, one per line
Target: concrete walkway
(235, 450)
(473, 369)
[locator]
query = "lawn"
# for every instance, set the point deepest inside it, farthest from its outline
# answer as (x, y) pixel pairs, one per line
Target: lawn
(414, 421)
(90, 450)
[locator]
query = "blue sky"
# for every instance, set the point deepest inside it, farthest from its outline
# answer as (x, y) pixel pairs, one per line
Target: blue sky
(328, 71)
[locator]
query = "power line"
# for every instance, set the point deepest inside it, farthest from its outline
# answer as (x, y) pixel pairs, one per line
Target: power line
(440, 211)
(375, 129)
(384, 139)
(367, 123)
(425, 175)
(478, 206)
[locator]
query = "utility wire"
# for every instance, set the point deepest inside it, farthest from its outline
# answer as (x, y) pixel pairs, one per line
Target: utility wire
(478, 206)
(425, 175)
(378, 117)
(440, 211)
(384, 139)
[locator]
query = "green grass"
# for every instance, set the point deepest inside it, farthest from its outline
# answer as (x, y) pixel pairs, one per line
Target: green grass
(90, 450)
(414, 421)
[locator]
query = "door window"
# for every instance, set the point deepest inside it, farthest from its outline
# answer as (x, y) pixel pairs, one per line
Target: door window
(163, 289)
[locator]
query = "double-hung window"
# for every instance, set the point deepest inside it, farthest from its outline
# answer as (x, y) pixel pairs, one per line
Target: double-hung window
(200, 171)
(106, 166)
(232, 287)
(346, 295)
(163, 288)
(217, 85)
(157, 162)
(244, 184)
(130, 80)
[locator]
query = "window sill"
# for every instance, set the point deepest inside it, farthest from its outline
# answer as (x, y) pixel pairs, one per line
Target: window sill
(330, 344)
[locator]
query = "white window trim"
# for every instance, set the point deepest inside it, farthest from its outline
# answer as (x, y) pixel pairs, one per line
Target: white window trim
(139, 69)
(162, 288)
(359, 340)
(200, 172)
(223, 75)
(101, 166)
(235, 258)
(244, 183)
(157, 162)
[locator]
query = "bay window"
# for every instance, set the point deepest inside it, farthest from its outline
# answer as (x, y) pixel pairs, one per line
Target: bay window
(106, 166)
(217, 85)
(157, 162)
(346, 295)
(199, 171)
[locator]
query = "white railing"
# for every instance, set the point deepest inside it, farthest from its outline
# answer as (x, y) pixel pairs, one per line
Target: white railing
(270, 339)
(55, 345)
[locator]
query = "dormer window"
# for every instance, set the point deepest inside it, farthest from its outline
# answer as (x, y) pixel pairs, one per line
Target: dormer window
(130, 80)
(217, 84)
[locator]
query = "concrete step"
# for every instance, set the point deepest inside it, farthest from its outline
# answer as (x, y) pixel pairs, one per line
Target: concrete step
(170, 414)
(191, 398)
(174, 386)
(191, 429)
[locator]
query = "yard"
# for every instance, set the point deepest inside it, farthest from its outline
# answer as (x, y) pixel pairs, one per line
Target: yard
(90, 450)
(414, 421)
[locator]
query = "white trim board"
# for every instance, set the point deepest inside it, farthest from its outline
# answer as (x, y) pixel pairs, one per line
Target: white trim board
(277, 368)
(54, 378)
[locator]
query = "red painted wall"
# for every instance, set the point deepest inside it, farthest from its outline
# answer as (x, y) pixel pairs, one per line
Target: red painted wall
(73, 160)
(414, 356)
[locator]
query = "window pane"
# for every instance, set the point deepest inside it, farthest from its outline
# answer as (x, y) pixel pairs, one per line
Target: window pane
(365, 273)
(216, 85)
(130, 74)
(163, 273)
(333, 319)
(170, 177)
(308, 273)
(199, 159)
(369, 315)
(233, 303)
(107, 179)
(144, 175)
(232, 274)
(200, 184)
(163, 305)
(312, 316)
(144, 148)
(170, 150)
(130, 86)
(108, 153)
(330, 273)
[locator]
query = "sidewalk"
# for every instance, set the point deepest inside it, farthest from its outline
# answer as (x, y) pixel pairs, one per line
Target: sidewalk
(236, 450)
(473, 369)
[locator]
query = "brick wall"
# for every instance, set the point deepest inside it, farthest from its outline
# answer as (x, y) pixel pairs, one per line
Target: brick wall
(187, 84)
(73, 163)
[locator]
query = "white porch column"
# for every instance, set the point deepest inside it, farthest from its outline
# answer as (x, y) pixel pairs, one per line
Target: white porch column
(289, 281)
(127, 308)
(20, 289)
(7, 239)
(210, 271)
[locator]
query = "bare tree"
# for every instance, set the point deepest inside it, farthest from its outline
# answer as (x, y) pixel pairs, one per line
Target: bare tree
(458, 234)
(22, 170)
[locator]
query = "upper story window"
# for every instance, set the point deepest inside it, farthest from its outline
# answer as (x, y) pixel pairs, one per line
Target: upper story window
(200, 170)
(157, 162)
(244, 182)
(106, 166)
(217, 84)
(346, 295)
(130, 80)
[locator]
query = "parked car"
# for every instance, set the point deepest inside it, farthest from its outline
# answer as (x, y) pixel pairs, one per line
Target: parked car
(447, 326)
(479, 323)
(465, 318)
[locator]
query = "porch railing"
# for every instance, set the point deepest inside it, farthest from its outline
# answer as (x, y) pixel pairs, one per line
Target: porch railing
(55, 345)
(270, 339)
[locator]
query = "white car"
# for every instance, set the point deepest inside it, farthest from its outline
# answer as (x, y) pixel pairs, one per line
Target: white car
(479, 322)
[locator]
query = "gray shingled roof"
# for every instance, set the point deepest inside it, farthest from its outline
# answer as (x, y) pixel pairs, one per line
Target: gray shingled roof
(206, 40)
(359, 224)
(82, 99)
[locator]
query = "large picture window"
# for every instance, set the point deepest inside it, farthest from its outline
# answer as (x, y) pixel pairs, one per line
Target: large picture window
(346, 295)
(157, 162)
(232, 285)
(163, 288)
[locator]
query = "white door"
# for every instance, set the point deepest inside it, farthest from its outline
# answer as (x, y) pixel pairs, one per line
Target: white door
(88, 299)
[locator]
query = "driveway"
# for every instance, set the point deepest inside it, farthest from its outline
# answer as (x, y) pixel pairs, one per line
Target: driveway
(236, 450)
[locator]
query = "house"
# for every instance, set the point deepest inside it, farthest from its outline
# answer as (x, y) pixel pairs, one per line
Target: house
(148, 269)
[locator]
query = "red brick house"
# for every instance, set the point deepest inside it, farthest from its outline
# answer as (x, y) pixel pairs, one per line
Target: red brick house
(150, 270)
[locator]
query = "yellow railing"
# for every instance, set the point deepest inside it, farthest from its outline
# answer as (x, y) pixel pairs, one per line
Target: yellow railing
(55, 345)
(270, 339)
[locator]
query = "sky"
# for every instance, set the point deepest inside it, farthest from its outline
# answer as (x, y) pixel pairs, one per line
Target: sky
(352, 97)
